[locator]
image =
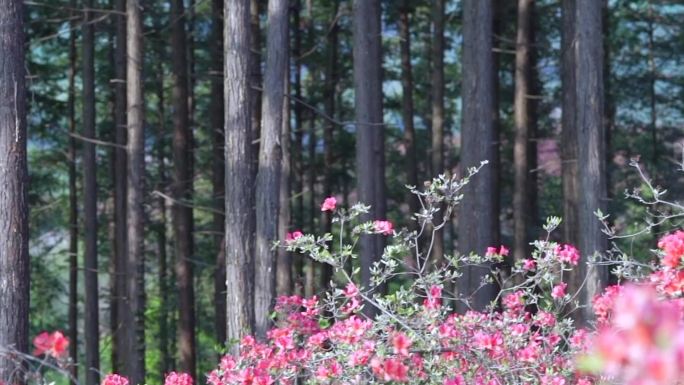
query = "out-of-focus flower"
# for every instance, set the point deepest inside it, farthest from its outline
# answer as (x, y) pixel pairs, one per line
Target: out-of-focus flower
(293, 236)
(329, 204)
(567, 254)
(383, 227)
(114, 379)
(175, 378)
(52, 344)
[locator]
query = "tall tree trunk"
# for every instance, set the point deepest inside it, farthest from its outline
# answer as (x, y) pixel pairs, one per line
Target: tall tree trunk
(270, 154)
(569, 131)
(370, 136)
(218, 168)
(476, 212)
(14, 257)
(73, 206)
(118, 284)
(255, 79)
(92, 335)
(239, 180)
(523, 121)
(411, 160)
(310, 265)
(297, 150)
(166, 363)
(331, 79)
(589, 124)
(284, 258)
(182, 185)
(437, 101)
(134, 316)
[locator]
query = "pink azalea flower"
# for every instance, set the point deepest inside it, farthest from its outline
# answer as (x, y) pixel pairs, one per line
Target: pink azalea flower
(174, 378)
(114, 379)
(567, 254)
(383, 227)
(329, 204)
(558, 291)
(293, 235)
(529, 264)
(401, 343)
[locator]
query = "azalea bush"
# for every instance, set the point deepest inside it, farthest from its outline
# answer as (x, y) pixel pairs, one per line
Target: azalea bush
(415, 336)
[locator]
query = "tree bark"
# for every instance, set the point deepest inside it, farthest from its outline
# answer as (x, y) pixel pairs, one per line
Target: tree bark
(589, 124)
(284, 258)
(218, 169)
(270, 155)
(331, 79)
(73, 206)
(118, 284)
(523, 120)
(411, 160)
(14, 257)
(92, 336)
(166, 362)
(370, 137)
(182, 186)
(134, 316)
(256, 80)
(569, 131)
(476, 211)
(297, 150)
(437, 104)
(239, 182)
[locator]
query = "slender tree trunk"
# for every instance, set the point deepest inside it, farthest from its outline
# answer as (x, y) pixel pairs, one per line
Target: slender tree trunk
(569, 172)
(92, 335)
(476, 211)
(73, 206)
(284, 258)
(218, 169)
(255, 79)
(182, 186)
(331, 79)
(134, 316)
(569, 131)
(437, 101)
(411, 160)
(297, 150)
(523, 121)
(270, 155)
(310, 265)
(14, 257)
(166, 362)
(370, 137)
(239, 180)
(589, 124)
(118, 284)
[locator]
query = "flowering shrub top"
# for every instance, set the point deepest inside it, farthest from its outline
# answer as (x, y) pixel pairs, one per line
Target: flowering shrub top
(416, 338)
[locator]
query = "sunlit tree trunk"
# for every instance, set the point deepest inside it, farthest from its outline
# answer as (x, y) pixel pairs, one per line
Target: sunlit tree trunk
(14, 257)
(270, 155)
(134, 316)
(239, 180)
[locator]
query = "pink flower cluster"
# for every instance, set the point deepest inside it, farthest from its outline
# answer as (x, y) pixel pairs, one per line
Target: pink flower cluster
(114, 379)
(474, 348)
(175, 378)
(643, 343)
(51, 344)
(672, 246)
